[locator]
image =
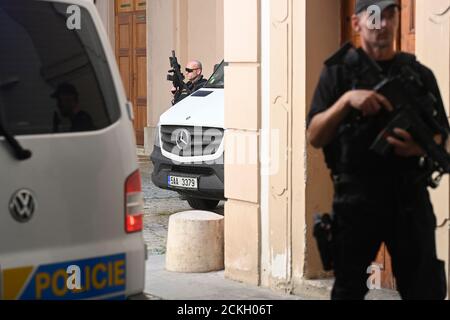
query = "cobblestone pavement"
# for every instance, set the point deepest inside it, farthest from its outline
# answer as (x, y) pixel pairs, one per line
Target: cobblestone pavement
(159, 206)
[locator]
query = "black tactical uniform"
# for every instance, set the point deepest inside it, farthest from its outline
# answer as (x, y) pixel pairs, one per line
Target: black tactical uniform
(377, 199)
(192, 86)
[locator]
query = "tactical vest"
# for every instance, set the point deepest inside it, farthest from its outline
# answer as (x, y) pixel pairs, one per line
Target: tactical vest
(350, 149)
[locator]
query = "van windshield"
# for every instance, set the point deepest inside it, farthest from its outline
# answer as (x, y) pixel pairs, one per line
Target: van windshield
(54, 76)
(217, 81)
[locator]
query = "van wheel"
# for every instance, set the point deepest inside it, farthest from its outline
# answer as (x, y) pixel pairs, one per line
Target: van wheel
(202, 204)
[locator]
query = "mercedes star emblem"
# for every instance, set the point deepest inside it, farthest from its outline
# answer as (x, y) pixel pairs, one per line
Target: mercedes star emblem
(183, 139)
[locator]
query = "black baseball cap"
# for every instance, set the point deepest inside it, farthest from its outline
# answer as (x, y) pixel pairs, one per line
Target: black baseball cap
(362, 5)
(65, 89)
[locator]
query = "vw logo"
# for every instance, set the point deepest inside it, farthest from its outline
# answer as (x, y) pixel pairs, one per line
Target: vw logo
(183, 139)
(22, 205)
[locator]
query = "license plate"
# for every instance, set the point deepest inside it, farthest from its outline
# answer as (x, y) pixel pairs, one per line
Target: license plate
(102, 277)
(183, 182)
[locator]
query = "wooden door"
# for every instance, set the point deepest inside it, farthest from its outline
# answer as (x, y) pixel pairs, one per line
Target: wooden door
(408, 26)
(347, 33)
(131, 53)
(406, 42)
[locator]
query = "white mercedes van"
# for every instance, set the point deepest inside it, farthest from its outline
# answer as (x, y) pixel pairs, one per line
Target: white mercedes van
(188, 155)
(70, 194)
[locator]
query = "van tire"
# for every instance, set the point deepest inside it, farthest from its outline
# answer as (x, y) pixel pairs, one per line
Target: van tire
(202, 204)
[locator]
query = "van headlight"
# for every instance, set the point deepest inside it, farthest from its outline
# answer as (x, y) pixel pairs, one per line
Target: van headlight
(157, 141)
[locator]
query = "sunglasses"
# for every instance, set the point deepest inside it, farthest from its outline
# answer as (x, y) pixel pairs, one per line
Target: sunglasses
(190, 70)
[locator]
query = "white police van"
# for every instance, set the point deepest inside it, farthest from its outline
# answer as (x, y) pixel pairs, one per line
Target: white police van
(188, 155)
(70, 194)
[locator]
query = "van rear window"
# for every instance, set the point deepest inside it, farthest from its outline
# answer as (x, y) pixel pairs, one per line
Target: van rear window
(54, 76)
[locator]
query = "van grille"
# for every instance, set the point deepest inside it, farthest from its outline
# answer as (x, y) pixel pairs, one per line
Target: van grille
(191, 141)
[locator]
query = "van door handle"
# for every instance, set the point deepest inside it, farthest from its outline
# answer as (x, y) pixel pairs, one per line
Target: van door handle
(130, 110)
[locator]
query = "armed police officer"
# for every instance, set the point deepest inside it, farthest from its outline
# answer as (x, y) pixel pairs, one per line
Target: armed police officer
(377, 198)
(194, 74)
(196, 81)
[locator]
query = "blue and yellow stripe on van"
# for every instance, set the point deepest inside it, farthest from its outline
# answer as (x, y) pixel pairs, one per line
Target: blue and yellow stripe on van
(99, 277)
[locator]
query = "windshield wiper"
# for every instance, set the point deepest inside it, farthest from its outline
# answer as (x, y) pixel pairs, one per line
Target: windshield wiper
(18, 151)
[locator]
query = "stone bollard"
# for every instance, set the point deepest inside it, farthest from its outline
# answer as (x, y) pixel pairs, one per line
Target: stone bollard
(195, 242)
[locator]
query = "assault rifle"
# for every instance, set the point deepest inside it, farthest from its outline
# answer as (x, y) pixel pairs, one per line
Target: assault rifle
(415, 111)
(176, 76)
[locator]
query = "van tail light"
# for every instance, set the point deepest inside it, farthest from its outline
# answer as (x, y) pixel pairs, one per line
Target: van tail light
(134, 203)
